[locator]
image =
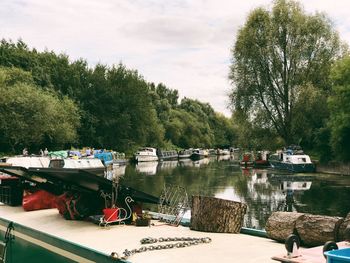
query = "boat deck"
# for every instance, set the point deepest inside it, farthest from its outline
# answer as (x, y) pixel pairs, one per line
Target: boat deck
(223, 248)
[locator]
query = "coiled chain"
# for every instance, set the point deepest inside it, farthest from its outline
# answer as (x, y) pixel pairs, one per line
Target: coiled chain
(180, 242)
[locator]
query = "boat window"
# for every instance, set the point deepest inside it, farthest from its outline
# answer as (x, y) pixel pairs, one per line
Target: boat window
(56, 164)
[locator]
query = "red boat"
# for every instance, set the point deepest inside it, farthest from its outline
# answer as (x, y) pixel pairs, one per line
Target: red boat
(247, 160)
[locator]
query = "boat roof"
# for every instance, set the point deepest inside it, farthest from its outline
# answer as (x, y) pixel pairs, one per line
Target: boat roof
(28, 161)
(223, 248)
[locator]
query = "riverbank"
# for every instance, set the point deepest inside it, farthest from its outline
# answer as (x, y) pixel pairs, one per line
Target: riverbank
(333, 168)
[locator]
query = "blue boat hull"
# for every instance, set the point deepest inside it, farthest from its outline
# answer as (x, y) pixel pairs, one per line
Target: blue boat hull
(295, 168)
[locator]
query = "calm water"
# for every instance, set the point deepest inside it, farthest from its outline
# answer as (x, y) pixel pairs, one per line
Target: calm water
(263, 190)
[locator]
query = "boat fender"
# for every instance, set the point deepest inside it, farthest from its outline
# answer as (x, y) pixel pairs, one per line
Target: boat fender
(328, 246)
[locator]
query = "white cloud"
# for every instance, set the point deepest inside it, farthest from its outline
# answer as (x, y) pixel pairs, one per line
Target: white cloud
(184, 44)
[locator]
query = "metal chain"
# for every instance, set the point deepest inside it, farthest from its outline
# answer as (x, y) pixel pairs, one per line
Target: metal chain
(181, 242)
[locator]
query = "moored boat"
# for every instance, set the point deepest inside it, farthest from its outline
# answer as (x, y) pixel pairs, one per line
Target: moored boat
(198, 154)
(111, 158)
(146, 154)
(223, 152)
(186, 153)
(261, 159)
(292, 159)
(167, 154)
(247, 160)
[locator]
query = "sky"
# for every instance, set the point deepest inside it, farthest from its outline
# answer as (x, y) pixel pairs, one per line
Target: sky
(184, 44)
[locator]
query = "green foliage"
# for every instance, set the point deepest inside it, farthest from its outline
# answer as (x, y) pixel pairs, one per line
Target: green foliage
(339, 105)
(277, 54)
(186, 131)
(254, 135)
(117, 108)
(310, 114)
(32, 117)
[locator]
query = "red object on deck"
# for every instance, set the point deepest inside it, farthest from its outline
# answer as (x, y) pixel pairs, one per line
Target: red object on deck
(37, 200)
(111, 214)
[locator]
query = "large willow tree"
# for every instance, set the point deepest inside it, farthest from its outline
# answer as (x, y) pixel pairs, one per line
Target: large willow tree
(277, 53)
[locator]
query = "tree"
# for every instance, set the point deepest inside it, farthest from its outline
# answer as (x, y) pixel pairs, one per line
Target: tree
(339, 105)
(310, 115)
(31, 116)
(276, 54)
(186, 130)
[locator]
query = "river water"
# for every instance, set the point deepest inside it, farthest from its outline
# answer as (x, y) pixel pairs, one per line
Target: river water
(263, 190)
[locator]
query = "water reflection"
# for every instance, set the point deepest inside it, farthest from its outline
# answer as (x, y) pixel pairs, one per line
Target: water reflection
(148, 168)
(167, 165)
(185, 162)
(119, 170)
(223, 157)
(201, 162)
(264, 191)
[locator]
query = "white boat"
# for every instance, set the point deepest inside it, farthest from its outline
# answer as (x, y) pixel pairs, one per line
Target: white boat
(292, 159)
(198, 154)
(146, 154)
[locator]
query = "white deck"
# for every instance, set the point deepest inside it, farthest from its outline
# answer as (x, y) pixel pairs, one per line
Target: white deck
(223, 248)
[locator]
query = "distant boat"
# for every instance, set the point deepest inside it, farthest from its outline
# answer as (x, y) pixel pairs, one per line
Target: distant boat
(183, 154)
(167, 155)
(111, 158)
(198, 154)
(223, 152)
(212, 152)
(146, 154)
(234, 150)
(261, 159)
(247, 160)
(293, 160)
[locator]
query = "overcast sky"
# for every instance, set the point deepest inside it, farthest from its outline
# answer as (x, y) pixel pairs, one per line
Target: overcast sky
(183, 44)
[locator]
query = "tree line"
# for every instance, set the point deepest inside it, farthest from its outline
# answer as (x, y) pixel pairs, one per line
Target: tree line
(290, 76)
(291, 85)
(47, 100)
